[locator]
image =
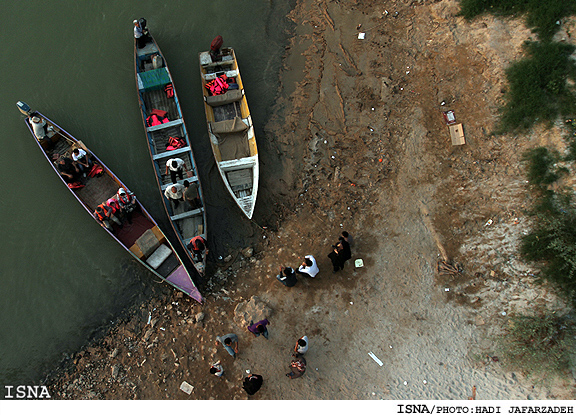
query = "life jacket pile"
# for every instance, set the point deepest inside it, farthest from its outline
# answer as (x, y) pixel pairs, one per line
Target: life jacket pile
(157, 117)
(218, 86)
(169, 91)
(175, 143)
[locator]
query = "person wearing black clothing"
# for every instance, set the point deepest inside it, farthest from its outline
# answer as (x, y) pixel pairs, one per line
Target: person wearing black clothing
(68, 170)
(252, 384)
(287, 276)
(340, 254)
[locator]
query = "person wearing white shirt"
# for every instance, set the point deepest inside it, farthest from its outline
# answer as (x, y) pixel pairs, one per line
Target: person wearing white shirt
(175, 192)
(176, 167)
(309, 266)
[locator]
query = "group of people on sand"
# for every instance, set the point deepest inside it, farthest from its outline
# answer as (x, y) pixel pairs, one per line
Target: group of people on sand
(341, 253)
(253, 382)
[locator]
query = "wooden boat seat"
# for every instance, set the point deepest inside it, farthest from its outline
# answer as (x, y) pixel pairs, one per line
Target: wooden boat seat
(223, 99)
(168, 154)
(235, 125)
(230, 74)
(187, 214)
(147, 243)
(165, 125)
(160, 255)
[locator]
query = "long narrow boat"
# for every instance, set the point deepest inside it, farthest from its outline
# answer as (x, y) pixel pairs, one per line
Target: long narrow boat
(142, 238)
(158, 99)
(230, 127)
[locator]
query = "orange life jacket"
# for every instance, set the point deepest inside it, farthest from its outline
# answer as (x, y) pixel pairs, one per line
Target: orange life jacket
(106, 210)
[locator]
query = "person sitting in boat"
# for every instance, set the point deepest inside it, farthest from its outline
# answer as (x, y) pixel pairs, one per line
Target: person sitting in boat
(40, 129)
(104, 215)
(141, 33)
(215, 48)
(68, 169)
(191, 194)
(82, 160)
(197, 246)
(126, 202)
(175, 193)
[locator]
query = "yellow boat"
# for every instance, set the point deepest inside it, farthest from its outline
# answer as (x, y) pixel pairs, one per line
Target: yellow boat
(230, 127)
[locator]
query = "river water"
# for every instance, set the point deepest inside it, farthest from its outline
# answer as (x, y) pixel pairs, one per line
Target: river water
(63, 277)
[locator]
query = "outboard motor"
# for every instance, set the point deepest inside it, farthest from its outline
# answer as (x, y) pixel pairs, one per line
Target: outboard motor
(24, 108)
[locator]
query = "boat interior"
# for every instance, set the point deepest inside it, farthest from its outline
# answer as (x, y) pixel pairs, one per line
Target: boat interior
(141, 236)
(154, 84)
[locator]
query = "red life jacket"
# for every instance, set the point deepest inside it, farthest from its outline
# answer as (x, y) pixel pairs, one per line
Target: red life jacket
(155, 120)
(96, 169)
(218, 86)
(169, 91)
(75, 185)
(175, 143)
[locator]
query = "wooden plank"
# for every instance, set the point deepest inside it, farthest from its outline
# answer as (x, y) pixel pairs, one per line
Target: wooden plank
(171, 153)
(457, 134)
(188, 214)
(165, 125)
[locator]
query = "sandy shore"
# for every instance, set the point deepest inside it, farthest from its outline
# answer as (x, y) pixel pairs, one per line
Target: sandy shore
(364, 148)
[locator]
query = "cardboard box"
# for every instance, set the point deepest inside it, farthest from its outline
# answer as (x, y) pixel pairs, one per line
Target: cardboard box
(457, 134)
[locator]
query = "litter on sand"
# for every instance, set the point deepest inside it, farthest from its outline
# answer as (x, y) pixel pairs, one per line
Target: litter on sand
(358, 263)
(186, 387)
(375, 358)
(361, 35)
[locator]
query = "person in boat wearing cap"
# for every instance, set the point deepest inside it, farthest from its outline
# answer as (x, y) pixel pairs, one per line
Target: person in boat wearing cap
(127, 203)
(140, 33)
(40, 129)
